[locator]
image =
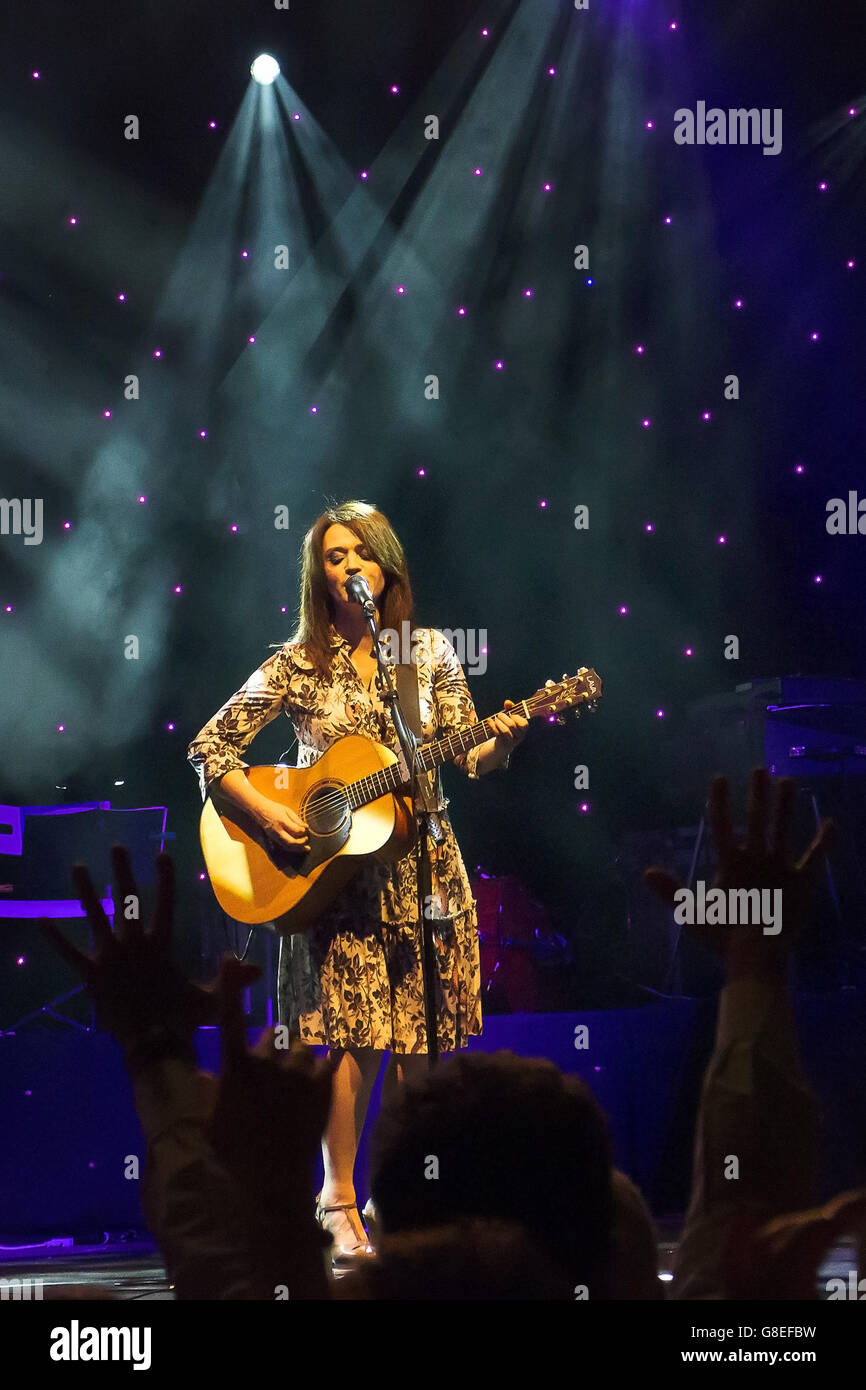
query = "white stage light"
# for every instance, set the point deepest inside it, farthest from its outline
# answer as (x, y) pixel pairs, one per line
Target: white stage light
(265, 69)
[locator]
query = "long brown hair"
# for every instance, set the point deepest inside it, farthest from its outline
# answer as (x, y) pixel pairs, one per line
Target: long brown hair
(316, 610)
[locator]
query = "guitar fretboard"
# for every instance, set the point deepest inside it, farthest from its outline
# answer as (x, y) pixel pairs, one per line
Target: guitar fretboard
(432, 755)
(585, 686)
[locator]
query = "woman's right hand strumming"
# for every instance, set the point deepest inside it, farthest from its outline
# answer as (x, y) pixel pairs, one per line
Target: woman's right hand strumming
(282, 825)
(278, 821)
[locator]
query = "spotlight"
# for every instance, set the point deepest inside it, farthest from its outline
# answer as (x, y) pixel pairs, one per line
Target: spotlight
(265, 69)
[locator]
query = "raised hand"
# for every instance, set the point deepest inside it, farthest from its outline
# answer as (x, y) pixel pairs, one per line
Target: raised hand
(781, 1258)
(132, 979)
(762, 861)
(271, 1106)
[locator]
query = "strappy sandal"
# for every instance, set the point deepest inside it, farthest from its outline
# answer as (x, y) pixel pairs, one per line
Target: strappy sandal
(348, 1247)
(370, 1218)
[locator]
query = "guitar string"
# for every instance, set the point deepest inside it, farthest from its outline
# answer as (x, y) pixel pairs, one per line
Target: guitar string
(334, 799)
(368, 782)
(371, 780)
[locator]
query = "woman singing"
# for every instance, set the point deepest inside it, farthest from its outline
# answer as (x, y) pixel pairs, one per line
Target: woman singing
(353, 983)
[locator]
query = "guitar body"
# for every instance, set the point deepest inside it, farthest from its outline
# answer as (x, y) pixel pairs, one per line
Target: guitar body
(257, 880)
(349, 816)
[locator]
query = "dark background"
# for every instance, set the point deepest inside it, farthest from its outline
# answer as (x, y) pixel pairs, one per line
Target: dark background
(560, 423)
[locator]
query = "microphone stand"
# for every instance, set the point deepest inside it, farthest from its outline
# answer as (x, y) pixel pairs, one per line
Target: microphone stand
(409, 744)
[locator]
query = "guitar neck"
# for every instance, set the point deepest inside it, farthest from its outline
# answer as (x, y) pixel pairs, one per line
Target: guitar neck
(430, 756)
(550, 700)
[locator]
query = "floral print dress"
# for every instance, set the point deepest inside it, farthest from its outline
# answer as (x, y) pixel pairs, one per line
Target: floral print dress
(354, 980)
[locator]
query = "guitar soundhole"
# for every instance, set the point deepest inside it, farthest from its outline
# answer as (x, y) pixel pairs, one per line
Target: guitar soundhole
(326, 809)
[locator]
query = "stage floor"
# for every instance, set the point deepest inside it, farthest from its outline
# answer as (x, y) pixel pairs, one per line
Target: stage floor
(134, 1271)
(67, 1104)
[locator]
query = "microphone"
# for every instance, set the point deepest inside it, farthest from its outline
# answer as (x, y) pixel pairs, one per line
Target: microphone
(359, 592)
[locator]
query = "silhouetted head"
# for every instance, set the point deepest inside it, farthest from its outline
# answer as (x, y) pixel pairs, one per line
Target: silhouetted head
(503, 1138)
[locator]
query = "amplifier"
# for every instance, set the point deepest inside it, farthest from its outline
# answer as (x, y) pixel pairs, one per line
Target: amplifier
(38, 846)
(797, 726)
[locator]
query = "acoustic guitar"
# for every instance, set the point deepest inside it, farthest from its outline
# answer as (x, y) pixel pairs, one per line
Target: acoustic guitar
(354, 799)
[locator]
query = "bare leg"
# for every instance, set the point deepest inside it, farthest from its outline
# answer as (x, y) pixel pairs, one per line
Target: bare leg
(402, 1067)
(353, 1084)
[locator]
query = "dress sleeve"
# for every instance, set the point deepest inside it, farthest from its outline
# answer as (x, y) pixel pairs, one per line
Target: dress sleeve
(216, 748)
(454, 705)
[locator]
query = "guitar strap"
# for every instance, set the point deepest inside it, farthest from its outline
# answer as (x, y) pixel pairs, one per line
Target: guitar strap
(428, 789)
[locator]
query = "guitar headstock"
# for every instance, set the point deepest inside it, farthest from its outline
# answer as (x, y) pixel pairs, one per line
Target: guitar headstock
(557, 698)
